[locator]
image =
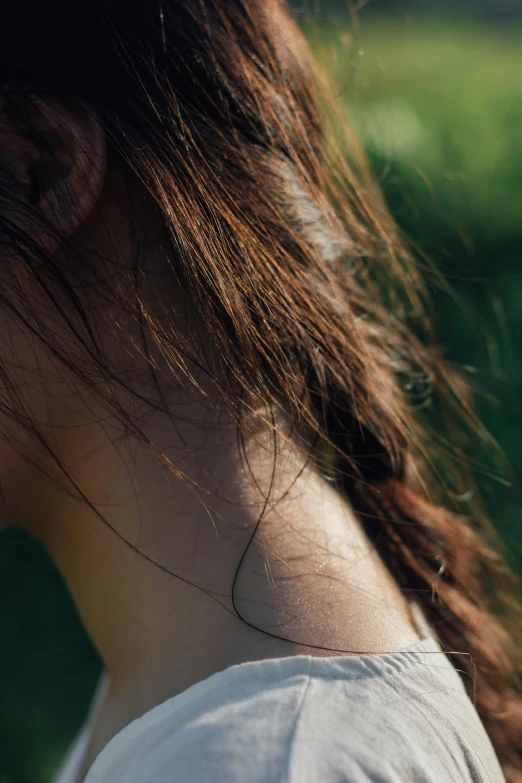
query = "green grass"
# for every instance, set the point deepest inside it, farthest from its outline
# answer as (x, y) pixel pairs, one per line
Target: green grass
(444, 101)
(438, 106)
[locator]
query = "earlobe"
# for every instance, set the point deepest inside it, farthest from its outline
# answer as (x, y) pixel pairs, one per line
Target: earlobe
(53, 157)
(69, 176)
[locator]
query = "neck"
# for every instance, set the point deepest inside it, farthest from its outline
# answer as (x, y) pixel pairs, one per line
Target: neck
(152, 564)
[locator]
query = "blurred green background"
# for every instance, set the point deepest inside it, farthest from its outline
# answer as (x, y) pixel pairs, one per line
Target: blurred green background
(437, 100)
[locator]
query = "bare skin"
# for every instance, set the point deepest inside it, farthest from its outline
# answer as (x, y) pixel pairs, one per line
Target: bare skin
(151, 563)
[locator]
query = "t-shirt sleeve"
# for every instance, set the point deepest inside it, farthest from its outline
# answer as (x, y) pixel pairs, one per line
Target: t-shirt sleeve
(398, 727)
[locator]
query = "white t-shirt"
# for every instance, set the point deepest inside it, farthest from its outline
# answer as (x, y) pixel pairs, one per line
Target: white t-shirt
(402, 717)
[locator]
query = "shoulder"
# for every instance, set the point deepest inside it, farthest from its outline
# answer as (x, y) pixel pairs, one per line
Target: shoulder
(394, 718)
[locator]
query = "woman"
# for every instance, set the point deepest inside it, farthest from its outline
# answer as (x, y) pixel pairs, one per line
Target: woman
(209, 413)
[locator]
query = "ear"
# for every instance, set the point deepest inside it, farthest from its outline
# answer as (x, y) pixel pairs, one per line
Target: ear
(58, 155)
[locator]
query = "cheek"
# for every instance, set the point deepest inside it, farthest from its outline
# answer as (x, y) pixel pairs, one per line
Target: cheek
(24, 492)
(33, 401)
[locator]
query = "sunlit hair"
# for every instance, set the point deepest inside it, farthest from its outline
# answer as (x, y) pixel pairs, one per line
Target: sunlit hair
(282, 241)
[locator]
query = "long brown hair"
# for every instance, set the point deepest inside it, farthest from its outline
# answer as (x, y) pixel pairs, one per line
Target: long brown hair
(295, 267)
